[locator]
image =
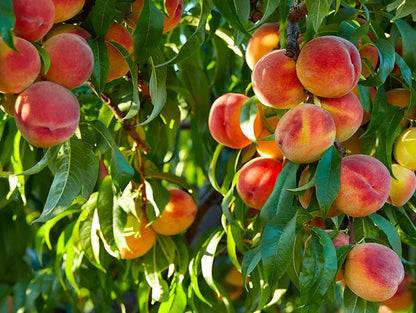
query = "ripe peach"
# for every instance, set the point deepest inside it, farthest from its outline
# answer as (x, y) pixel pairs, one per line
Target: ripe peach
(373, 271)
(329, 66)
(365, 185)
(405, 149)
(65, 9)
(402, 186)
(139, 237)
(7, 105)
(402, 299)
(401, 97)
(18, 70)
(256, 181)
(224, 121)
(68, 28)
(46, 114)
(305, 132)
(178, 215)
(347, 113)
(264, 40)
(33, 18)
(173, 8)
(71, 60)
(275, 82)
(118, 65)
(269, 148)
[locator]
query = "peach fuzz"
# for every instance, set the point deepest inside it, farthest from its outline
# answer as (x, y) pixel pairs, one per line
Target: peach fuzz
(256, 181)
(305, 199)
(269, 148)
(275, 82)
(118, 65)
(33, 18)
(139, 237)
(403, 185)
(46, 114)
(404, 150)
(18, 70)
(65, 9)
(173, 8)
(365, 185)
(401, 97)
(329, 66)
(71, 58)
(224, 121)
(347, 113)
(68, 28)
(402, 299)
(373, 271)
(264, 40)
(305, 132)
(178, 214)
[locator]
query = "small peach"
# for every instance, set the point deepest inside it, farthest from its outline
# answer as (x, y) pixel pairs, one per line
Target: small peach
(404, 150)
(403, 185)
(7, 105)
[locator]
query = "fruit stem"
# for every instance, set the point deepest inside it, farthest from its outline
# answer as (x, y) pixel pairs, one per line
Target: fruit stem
(296, 13)
(351, 229)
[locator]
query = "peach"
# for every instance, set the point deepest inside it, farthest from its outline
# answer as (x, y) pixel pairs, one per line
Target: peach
(275, 82)
(7, 105)
(373, 271)
(178, 214)
(403, 185)
(305, 199)
(365, 185)
(18, 70)
(371, 54)
(46, 114)
(404, 150)
(305, 132)
(68, 28)
(65, 9)
(269, 148)
(256, 181)
(224, 121)
(71, 60)
(33, 18)
(173, 8)
(329, 66)
(347, 113)
(234, 277)
(401, 97)
(118, 65)
(139, 237)
(264, 40)
(402, 299)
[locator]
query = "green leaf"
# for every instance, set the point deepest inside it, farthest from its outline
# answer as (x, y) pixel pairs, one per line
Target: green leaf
(148, 31)
(236, 12)
(270, 7)
(16, 160)
(101, 64)
(364, 227)
(409, 43)
(355, 304)
(77, 172)
(160, 288)
(406, 8)
(44, 56)
(47, 157)
(105, 210)
(327, 179)
(248, 114)
(102, 15)
(7, 21)
(342, 252)
(157, 86)
(158, 196)
(317, 11)
(390, 231)
(405, 223)
(250, 261)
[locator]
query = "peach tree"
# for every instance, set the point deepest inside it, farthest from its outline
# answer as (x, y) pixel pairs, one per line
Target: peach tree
(207, 156)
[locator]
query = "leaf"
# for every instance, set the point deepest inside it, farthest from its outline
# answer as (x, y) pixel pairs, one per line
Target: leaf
(248, 114)
(158, 196)
(77, 172)
(342, 252)
(364, 228)
(51, 152)
(405, 223)
(390, 231)
(409, 42)
(160, 288)
(16, 161)
(270, 7)
(250, 261)
(355, 304)
(101, 64)
(105, 210)
(327, 179)
(7, 21)
(236, 12)
(44, 56)
(317, 11)
(102, 15)
(148, 31)
(157, 86)
(406, 8)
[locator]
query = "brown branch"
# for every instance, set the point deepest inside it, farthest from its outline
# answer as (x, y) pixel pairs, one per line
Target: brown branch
(296, 13)
(351, 229)
(341, 150)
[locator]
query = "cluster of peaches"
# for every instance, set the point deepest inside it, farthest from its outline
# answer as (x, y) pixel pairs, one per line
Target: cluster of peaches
(318, 91)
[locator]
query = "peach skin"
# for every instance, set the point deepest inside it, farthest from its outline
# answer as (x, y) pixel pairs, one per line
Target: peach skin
(404, 150)
(18, 70)
(68, 28)
(275, 82)
(256, 181)
(65, 9)
(305, 132)
(269, 148)
(365, 185)
(403, 185)
(264, 40)
(178, 215)
(373, 271)
(329, 66)
(402, 299)
(224, 121)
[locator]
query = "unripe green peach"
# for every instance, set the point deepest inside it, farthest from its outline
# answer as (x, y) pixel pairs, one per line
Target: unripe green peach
(373, 271)
(405, 149)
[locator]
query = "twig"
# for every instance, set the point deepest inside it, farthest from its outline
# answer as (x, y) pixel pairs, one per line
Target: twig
(296, 13)
(351, 229)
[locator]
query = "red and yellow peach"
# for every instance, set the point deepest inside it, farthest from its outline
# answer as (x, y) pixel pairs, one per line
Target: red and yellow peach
(65, 9)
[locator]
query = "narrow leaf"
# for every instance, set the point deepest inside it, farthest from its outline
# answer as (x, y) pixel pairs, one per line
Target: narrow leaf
(248, 114)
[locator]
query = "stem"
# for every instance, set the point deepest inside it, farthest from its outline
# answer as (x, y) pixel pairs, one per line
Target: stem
(341, 150)
(351, 229)
(296, 13)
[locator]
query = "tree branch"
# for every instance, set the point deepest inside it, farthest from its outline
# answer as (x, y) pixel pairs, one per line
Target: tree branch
(296, 13)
